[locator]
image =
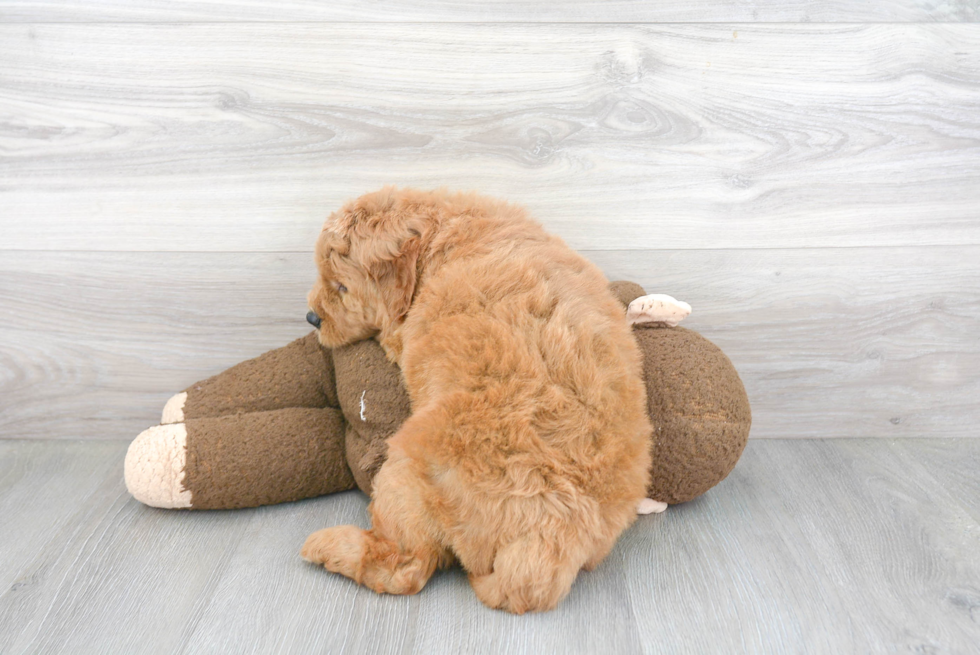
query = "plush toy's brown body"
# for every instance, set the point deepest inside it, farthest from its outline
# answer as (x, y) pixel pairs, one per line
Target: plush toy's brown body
(304, 421)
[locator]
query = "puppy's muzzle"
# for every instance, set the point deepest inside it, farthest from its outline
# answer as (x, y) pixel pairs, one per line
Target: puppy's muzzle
(313, 320)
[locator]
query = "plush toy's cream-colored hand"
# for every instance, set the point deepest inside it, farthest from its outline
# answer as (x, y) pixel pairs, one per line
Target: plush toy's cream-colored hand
(650, 506)
(657, 308)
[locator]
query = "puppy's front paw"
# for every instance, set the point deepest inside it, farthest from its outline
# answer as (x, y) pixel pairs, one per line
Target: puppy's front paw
(339, 549)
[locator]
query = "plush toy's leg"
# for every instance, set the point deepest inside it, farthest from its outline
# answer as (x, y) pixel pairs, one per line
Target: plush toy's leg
(299, 374)
(400, 552)
(244, 460)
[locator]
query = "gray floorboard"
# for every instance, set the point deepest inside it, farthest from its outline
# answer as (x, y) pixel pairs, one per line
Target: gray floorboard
(817, 546)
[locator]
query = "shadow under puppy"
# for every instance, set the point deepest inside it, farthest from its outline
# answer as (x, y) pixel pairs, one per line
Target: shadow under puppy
(528, 448)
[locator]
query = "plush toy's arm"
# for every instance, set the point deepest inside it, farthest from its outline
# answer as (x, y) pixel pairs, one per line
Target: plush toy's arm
(651, 506)
(697, 402)
(299, 374)
(652, 309)
(657, 308)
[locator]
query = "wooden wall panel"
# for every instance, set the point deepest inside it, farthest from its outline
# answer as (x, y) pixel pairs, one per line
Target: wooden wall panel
(506, 11)
(243, 137)
(812, 189)
(830, 343)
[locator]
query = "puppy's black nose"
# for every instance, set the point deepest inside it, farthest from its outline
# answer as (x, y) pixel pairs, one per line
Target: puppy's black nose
(313, 320)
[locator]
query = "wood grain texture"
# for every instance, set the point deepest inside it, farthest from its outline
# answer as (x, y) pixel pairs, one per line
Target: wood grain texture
(243, 137)
(844, 342)
(506, 11)
(836, 547)
(35, 512)
(96, 342)
(816, 546)
(960, 482)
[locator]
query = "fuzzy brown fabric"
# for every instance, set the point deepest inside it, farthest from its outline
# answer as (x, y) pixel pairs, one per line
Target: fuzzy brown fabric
(699, 409)
(299, 374)
(262, 458)
(626, 292)
(364, 373)
(271, 446)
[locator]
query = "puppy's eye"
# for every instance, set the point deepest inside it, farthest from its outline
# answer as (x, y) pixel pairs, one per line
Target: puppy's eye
(340, 287)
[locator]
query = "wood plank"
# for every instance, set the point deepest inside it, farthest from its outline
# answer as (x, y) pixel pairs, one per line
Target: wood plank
(121, 137)
(96, 342)
(837, 342)
(42, 491)
(958, 478)
(505, 11)
(118, 572)
(825, 546)
(810, 545)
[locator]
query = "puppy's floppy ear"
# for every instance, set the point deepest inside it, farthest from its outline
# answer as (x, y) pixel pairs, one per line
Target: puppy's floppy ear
(397, 276)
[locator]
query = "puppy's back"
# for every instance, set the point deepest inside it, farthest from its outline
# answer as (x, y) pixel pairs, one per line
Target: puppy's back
(524, 332)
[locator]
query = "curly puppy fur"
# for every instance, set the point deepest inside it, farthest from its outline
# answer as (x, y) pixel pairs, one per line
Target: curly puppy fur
(528, 448)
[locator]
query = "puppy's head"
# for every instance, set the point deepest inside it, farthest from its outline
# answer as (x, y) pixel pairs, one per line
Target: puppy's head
(367, 257)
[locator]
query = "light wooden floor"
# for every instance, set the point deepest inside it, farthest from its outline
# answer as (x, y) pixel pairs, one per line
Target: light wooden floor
(810, 546)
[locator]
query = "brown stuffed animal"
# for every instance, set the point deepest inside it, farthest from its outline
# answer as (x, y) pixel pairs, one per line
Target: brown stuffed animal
(303, 420)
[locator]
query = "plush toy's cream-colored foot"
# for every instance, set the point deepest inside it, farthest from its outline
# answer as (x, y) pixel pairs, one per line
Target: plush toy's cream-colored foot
(173, 411)
(650, 506)
(657, 308)
(154, 468)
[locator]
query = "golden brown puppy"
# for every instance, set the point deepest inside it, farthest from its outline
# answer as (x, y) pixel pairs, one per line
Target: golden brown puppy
(528, 448)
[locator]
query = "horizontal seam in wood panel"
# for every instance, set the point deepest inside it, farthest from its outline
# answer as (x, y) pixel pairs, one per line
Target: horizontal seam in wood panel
(904, 439)
(609, 250)
(476, 22)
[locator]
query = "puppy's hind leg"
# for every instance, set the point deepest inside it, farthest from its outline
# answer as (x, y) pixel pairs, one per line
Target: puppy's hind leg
(399, 553)
(529, 575)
